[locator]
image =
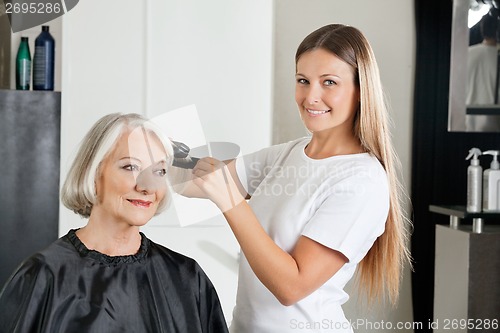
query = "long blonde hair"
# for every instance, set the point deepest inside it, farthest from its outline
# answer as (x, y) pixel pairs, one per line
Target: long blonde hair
(380, 272)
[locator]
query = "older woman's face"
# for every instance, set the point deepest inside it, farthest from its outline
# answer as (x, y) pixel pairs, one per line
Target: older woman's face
(121, 198)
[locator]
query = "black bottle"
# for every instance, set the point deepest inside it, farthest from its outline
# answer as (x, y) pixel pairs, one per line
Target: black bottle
(43, 61)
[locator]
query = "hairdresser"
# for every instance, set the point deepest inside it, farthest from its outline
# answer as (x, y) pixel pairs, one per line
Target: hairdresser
(321, 208)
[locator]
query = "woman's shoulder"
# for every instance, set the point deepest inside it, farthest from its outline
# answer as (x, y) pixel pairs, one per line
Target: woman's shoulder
(172, 257)
(282, 151)
(369, 160)
(52, 254)
(358, 170)
(40, 265)
(361, 161)
(177, 266)
(287, 146)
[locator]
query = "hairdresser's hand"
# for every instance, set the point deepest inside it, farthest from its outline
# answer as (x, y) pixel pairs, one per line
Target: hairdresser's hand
(214, 179)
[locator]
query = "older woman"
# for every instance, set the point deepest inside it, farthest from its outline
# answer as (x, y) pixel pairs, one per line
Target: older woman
(107, 276)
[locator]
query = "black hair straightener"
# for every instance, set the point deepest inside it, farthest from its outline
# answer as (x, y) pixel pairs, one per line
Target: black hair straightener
(181, 156)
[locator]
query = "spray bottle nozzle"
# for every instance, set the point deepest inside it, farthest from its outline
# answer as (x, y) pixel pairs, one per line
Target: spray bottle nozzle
(494, 164)
(474, 152)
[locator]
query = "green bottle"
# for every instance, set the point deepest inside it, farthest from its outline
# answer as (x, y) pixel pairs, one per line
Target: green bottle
(23, 65)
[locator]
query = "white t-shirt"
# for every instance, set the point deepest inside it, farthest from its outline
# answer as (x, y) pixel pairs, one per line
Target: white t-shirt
(482, 74)
(481, 83)
(341, 202)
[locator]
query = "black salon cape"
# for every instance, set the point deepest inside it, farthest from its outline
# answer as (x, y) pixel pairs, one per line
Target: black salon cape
(68, 288)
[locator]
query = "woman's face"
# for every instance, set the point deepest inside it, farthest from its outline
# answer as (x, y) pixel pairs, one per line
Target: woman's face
(325, 91)
(132, 179)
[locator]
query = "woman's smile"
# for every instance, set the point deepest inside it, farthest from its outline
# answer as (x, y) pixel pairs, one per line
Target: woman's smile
(140, 203)
(315, 113)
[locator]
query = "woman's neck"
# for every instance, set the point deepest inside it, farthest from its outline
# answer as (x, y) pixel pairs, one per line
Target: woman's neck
(323, 145)
(110, 238)
(490, 41)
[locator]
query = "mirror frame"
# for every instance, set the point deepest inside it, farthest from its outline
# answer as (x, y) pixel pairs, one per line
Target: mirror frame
(458, 111)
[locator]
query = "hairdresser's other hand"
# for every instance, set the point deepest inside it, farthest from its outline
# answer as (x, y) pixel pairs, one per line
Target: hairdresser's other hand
(214, 179)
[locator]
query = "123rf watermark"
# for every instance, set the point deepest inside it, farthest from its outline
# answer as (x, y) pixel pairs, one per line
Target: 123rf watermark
(25, 14)
(442, 324)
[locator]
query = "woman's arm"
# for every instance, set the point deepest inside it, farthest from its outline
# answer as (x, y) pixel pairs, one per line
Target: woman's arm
(25, 298)
(289, 276)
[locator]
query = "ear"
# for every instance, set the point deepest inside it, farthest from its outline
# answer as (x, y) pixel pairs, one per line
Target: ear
(97, 179)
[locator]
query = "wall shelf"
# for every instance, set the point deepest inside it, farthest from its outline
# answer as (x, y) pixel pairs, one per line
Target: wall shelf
(485, 110)
(457, 212)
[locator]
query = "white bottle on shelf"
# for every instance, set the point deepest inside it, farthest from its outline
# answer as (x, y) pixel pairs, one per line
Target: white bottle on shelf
(491, 184)
(474, 181)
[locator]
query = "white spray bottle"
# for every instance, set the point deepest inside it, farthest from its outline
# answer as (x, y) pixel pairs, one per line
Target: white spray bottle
(491, 183)
(474, 182)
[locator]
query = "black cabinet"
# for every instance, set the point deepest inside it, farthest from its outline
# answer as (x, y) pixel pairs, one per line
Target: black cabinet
(29, 174)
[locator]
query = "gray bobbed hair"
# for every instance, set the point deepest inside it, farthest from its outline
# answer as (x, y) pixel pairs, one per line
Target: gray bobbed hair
(78, 192)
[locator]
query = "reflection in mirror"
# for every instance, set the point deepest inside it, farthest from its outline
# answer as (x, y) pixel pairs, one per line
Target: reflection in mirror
(474, 87)
(482, 57)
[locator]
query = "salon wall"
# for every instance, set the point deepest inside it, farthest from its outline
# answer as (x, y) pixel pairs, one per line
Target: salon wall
(157, 56)
(218, 56)
(389, 25)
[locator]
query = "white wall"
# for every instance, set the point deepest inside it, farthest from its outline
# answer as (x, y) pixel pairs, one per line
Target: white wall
(156, 56)
(218, 56)
(103, 66)
(389, 26)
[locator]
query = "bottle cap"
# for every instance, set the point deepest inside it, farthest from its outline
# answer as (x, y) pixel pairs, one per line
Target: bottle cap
(474, 152)
(45, 28)
(494, 164)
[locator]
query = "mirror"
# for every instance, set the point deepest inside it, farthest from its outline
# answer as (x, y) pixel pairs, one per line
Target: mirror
(473, 88)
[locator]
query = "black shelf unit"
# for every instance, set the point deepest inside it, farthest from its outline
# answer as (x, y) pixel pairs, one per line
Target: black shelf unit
(29, 180)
